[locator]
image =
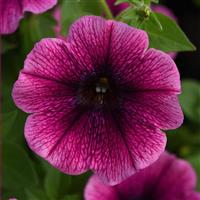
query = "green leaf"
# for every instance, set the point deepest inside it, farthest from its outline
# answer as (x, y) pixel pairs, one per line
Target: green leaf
(72, 10)
(170, 38)
(35, 28)
(195, 161)
(6, 46)
(18, 171)
(190, 99)
(155, 1)
(36, 194)
(154, 17)
(72, 197)
(56, 183)
(184, 140)
(124, 1)
(8, 121)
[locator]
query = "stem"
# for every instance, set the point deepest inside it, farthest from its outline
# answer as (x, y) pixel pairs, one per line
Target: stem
(106, 9)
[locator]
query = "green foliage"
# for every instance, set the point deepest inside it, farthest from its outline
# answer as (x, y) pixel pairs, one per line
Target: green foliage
(56, 183)
(137, 2)
(185, 140)
(8, 120)
(124, 1)
(72, 197)
(17, 168)
(72, 10)
(34, 28)
(195, 161)
(169, 38)
(7, 46)
(163, 32)
(190, 99)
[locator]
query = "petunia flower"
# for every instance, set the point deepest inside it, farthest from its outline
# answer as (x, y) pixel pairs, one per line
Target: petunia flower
(99, 99)
(169, 178)
(116, 9)
(11, 11)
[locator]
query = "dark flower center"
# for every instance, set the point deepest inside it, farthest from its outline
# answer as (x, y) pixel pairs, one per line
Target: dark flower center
(99, 92)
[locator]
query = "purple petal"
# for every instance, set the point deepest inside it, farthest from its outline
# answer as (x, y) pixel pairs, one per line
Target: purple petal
(156, 71)
(92, 34)
(36, 94)
(181, 178)
(10, 15)
(144, 142)
(57, 60)
(38, 6)
(127, 47)
(121, 147)
(105, 192)
(160, 109)
(193, 196)
(109, 43)
(110, 160)
(60, 138)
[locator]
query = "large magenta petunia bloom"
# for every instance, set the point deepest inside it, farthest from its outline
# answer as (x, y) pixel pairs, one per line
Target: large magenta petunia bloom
(99, 99)
(11, 11)
(168, 178)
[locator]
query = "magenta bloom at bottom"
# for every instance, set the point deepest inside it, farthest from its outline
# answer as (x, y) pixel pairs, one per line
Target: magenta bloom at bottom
(168, 178)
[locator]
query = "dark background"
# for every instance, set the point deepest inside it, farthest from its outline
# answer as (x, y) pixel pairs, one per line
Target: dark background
(188, 14)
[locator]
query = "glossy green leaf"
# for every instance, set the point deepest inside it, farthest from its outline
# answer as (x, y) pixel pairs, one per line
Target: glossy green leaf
(18, 171)
(190, 99)
(170, 38)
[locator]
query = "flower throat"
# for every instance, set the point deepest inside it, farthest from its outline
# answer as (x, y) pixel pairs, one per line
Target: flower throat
(97, 92)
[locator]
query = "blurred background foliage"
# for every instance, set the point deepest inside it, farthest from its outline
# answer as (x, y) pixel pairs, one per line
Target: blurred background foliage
(28, 177)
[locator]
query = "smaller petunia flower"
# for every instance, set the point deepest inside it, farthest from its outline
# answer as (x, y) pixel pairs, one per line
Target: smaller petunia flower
(116, 9)
(99, 99)
(169, 178)
(11, 11)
